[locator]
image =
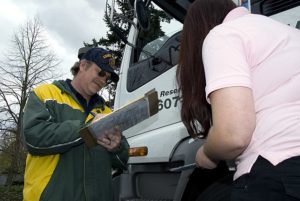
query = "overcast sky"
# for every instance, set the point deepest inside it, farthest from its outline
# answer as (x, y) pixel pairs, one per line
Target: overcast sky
(67, 24)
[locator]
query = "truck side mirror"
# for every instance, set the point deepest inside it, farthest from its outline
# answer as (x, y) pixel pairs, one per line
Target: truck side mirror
(113, 15)
(131, 3)
(142, 14)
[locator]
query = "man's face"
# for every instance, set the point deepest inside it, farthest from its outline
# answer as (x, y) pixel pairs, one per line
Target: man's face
(92, 79)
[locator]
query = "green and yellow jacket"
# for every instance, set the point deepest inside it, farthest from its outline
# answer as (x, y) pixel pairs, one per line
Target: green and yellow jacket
(59, 166)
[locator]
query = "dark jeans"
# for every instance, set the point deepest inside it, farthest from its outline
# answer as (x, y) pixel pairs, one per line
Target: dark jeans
(267, 182)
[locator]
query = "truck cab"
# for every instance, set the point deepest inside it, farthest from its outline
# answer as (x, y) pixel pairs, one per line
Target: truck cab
(166, 170)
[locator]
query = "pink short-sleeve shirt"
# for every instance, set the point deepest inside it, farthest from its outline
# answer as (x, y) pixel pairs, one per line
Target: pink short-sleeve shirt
(262, 54)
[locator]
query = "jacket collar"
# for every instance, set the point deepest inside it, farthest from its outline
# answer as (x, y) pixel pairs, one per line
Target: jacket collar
(66, 87)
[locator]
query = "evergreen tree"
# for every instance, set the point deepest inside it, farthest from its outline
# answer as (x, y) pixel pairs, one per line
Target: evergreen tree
(114, 43)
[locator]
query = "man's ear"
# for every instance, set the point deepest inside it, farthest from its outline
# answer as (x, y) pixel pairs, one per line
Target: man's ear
(82, 66)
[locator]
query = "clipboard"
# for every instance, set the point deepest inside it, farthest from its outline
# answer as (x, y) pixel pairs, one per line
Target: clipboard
(124, 117)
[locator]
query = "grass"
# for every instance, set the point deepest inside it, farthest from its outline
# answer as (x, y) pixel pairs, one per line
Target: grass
(12, 193)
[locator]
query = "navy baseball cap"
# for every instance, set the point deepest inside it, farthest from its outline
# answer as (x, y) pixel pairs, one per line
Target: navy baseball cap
(82, 51)
(103, 59)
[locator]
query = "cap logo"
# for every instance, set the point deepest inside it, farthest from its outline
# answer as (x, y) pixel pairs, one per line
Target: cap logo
(105, 56)
(111, 60)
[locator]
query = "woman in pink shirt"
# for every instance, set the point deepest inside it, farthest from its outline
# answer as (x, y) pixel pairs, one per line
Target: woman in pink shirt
(239, 76)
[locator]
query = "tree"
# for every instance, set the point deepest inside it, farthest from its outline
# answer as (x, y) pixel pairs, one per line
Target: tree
(114, 43)
(29, 63)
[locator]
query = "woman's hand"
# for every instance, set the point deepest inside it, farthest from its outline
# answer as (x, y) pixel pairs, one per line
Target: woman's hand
(203, 161)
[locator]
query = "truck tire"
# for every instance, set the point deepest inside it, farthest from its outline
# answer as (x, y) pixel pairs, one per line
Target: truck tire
(218, 191)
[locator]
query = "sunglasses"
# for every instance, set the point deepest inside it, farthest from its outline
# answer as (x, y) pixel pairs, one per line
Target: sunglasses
(105, 74)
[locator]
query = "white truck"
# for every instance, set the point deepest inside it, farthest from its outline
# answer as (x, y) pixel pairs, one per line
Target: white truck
(163, 137)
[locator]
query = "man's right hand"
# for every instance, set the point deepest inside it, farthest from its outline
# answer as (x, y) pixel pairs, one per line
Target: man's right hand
(98, 116)
(111, 139)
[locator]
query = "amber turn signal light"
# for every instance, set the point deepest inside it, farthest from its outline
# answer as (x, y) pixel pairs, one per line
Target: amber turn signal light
(138, 151)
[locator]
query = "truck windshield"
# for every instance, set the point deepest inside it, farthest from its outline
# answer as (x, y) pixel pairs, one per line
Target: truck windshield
(153, 46)
(152, 43)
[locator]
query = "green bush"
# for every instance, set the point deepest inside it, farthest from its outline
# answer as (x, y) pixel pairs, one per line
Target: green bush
(12, 193)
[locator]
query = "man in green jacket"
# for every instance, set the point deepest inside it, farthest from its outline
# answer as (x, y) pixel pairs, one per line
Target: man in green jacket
(59, 166)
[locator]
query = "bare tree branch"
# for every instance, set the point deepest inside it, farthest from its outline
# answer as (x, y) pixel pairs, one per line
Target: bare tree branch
(30, 62)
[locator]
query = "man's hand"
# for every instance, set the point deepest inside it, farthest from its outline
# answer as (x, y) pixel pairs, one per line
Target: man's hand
(98, 116)
(111, 139)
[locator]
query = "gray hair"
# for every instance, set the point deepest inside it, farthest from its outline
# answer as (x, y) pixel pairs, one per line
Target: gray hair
(75, 68)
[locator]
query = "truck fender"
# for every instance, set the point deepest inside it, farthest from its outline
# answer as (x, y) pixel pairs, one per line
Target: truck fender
(185, 151)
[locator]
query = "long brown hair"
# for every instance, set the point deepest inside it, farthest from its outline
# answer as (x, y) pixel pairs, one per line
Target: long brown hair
(202, 16)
